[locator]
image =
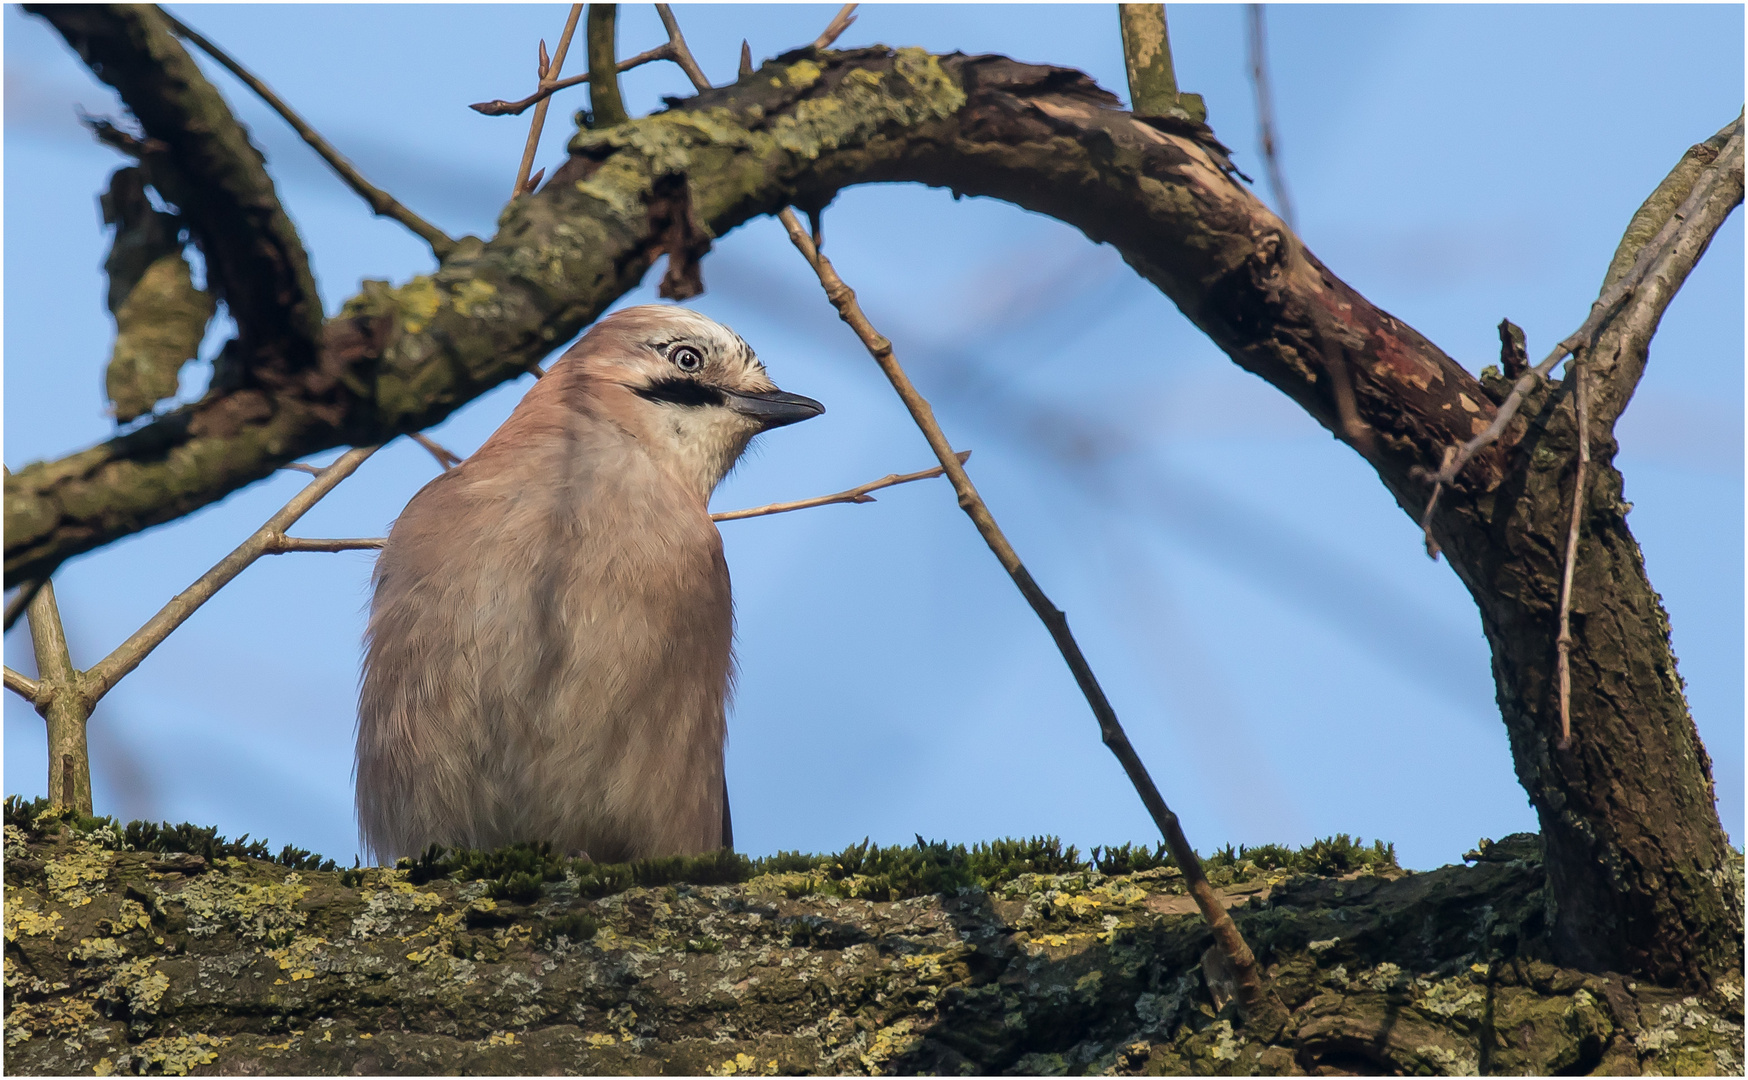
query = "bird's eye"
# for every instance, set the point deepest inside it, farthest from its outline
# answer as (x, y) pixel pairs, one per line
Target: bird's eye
(686, 358)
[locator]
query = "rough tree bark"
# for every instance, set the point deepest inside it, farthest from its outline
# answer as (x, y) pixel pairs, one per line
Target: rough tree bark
(1636, 855)
(126, 961)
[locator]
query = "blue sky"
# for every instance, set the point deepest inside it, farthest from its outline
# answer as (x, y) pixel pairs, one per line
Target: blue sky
(1283, 654)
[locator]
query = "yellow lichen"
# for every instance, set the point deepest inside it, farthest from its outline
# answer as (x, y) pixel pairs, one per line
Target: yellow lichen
(25, 922)
(253, 910)
(69, 875)
(90, 949)
(888, 1043)
(601, 1040)
(499, 1038)
(743, 1065)
(471, 295)
(176, 1055)
(139, 983)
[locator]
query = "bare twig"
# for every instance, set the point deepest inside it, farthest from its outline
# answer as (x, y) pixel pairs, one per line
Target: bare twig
(546, 73)
(1678, 233)
(446, 458)
(548, 87)
(21, 600)
(381, 202)
(1265, 115)
(23, 685)
(677, 45)
(280, 545)
(298, 466)
(1226, 933)
(1563, 644)
(103, 676)
(834, 29)
(854, 495)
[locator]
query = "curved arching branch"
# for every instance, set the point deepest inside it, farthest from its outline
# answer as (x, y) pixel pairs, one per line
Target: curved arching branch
(399, 359)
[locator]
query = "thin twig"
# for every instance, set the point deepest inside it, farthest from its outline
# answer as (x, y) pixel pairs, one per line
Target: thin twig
(1563, 644)
(1220, 922)
(1668, 237)
(21, 600)
(446, 458)
(835, 29)
(280, 545)
(23, 685)
(298, 466)
(854, 495)
(381, 202)
(103, 676)
(677, 44)
(547, 71)
(1265, 114)
(549, 87)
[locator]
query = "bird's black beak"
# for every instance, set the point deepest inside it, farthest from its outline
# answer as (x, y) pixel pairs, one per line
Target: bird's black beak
(773, 408)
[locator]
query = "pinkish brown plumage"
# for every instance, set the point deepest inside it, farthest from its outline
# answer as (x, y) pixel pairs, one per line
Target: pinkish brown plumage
(549, 649)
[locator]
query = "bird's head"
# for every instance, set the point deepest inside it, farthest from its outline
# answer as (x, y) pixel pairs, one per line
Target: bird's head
(692, 391)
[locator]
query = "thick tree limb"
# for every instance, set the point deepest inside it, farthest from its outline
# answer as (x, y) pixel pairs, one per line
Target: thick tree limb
(218, 181)
(400, 359)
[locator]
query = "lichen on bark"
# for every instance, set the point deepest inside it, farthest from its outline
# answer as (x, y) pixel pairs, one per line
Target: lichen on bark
(139, 961)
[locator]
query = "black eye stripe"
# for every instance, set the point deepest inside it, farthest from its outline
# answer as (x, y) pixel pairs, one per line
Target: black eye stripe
(682, 392)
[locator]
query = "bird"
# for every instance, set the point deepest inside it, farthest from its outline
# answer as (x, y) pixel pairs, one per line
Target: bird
(549, 652)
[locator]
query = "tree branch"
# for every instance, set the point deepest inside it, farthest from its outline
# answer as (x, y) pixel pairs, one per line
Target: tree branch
(23, 685)
(678, 52)
(833, 30)
(213, 174)
(1044, 138)
(21, 600)
(1563, 644)
(604, 100)
(381, 203)
(1618, 359)
(1226, 933)
(282, 544)
(547, 70)
(1147, 57)
(103, 675)
(1664, 262)
(62, 705)
(1265, 114)
(445, 457)
(858, 494)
